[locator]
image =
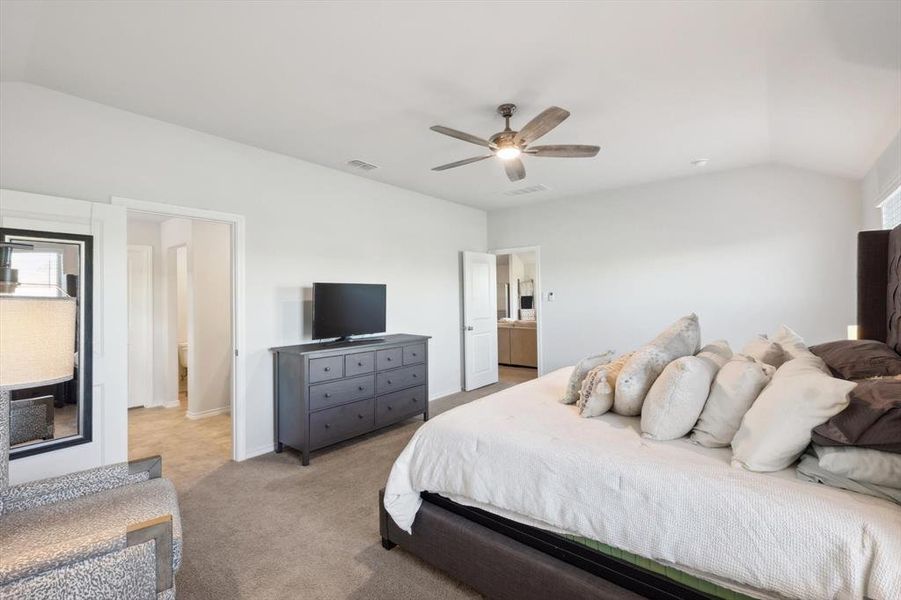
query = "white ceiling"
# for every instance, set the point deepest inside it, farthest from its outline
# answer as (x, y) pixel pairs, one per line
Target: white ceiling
(655, 84)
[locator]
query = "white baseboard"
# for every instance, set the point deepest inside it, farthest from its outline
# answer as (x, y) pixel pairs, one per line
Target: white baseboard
(260, 450)
(203, 414)
(175, 404)
(436, 395)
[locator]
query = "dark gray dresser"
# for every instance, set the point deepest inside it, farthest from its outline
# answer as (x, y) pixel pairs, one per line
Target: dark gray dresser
(329, 392)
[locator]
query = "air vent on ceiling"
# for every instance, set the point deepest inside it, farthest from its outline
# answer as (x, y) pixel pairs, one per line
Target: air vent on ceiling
(362, 165)
(527, 190)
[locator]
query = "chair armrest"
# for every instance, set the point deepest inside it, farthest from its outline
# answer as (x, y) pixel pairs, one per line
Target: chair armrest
(82, 483)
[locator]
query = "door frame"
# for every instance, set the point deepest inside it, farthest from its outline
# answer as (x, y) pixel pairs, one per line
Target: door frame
(146, 253)
(239, 397)
(539, 299)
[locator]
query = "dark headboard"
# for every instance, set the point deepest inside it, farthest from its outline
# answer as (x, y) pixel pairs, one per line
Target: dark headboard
(879, 286)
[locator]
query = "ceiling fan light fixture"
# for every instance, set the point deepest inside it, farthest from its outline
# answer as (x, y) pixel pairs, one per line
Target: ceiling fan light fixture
(508, 152)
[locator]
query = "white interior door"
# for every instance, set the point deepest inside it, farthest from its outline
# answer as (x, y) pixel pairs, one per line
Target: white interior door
(140, 326)
(479, 319)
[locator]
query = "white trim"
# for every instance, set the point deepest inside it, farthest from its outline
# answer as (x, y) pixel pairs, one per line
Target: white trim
(203, 414)
(449, 392)
(239, 393)
(539, 299)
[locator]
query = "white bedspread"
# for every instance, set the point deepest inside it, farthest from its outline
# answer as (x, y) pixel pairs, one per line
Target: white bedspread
(521, 454)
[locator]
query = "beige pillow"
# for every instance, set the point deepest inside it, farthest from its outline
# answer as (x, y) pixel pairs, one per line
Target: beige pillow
(861, 464)
(776, 429)
(734, 390)
(677, 397)
(597, 389)
(793, 345)
(765, 350)
(571, 395)
(682, 338)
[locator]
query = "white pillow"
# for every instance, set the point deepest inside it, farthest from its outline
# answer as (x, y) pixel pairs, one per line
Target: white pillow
(765, 350)
(677, 397)
(734, 390)
(793, 345)
(597, 389)
(861, 464)
(776, 429)
(571, 395)
(682, 338)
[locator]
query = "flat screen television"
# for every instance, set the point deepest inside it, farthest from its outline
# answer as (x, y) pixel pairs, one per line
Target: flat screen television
(341, 310)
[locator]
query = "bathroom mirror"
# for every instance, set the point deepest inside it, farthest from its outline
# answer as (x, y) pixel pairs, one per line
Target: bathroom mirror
(46, 338)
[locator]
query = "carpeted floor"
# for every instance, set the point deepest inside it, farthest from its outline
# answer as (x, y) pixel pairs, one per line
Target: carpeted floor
(268, 528)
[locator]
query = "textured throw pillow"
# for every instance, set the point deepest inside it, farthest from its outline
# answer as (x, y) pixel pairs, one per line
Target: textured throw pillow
(734, 390)
(579, 372)
(861, 464)
(682, 338)
(872, 419)
(776, 429)
(597, 389)
(793, 345)
(677, 397)
(765, 350)
(859, 359)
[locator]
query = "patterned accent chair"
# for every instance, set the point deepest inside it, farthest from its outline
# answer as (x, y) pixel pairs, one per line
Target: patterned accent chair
(107, 533)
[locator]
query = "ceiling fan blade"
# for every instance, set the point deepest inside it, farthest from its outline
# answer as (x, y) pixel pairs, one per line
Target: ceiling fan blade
(460, 163)
(460, 135)
(564, 151)
(515, 169)
(541, 124)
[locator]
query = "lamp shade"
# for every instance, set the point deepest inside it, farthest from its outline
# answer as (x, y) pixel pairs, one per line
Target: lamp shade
(37, 339)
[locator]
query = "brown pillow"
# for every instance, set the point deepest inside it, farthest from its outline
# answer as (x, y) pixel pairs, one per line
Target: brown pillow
(871, 420)
(859, 359)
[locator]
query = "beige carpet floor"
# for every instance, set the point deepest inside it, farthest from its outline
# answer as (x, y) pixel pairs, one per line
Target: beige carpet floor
(269, 528)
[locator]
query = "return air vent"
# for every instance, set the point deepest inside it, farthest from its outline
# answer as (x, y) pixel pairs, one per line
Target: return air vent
(527, 190)
(362, 165)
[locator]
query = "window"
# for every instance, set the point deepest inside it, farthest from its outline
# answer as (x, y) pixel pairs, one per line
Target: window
(891, 210)
(40, 267)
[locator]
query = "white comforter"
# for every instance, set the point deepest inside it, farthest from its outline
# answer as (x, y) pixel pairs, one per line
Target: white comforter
(523, 455)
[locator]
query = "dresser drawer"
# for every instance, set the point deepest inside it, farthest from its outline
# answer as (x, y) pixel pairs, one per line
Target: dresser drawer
(325, 369)
(342, 422)
(390, 358)
(399, 379)
(414, 354)
(324, 395)
(398, 406)
(357, 364)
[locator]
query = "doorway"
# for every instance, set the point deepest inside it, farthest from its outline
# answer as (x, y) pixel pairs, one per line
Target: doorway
(518, 314)
(191, 416)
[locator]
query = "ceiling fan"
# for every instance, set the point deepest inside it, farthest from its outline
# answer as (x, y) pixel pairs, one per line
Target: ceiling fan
(509, 145)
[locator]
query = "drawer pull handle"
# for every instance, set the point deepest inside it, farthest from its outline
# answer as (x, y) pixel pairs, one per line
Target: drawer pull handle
(414, 354)
(359, 416)
(360, 363)
(389, 382)
(327, 369)
(327, 395)
(414, 398)
(327, 425)
(389, 407)
(360, 387)
(414, 375)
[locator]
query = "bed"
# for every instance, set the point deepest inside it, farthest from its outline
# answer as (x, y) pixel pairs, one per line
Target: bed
(517, 496)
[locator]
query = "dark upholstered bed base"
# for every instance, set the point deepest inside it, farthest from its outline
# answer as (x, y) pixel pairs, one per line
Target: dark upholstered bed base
(502, 559)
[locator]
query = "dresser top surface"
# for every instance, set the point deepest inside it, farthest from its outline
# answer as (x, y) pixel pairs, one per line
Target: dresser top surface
(354, 345)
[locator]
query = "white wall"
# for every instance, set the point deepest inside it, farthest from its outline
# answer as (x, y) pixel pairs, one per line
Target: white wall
(746, 249)
(304, 222)
(181, 294)
(880, 181)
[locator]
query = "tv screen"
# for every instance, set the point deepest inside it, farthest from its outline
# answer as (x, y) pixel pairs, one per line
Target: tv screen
(345, 309)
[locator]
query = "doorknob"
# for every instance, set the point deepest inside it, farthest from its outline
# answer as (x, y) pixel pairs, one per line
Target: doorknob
(469, 328)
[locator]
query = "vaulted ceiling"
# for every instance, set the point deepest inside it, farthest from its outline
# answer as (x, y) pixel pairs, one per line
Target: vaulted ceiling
(655, 84)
